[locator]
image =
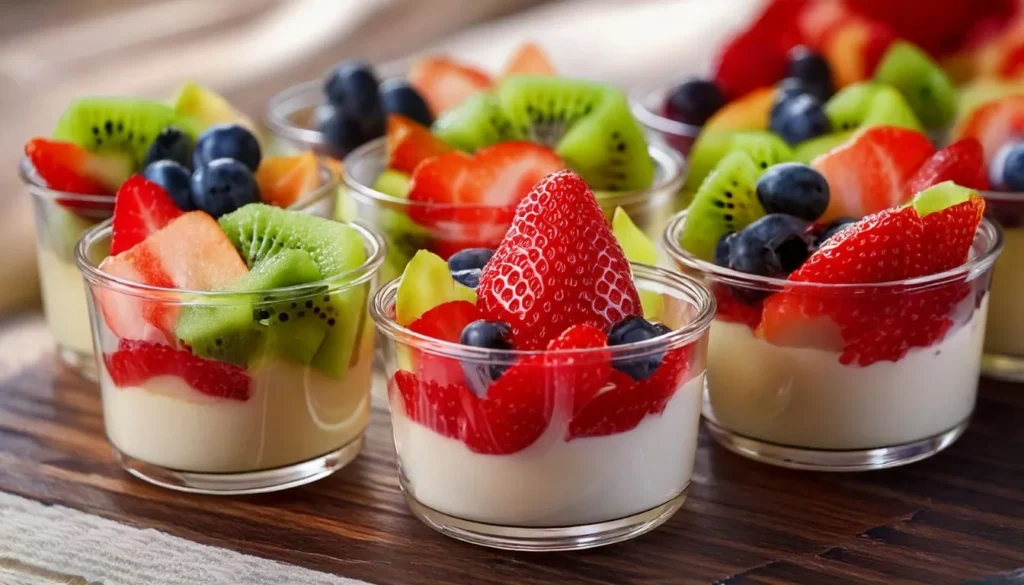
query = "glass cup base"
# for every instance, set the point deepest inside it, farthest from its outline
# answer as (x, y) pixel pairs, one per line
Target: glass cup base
(1007, 368)
(834, 460)
(83, 364)
(234, 484)
(562, 538)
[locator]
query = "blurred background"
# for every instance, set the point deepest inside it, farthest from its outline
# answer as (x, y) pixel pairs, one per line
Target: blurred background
(53, 51)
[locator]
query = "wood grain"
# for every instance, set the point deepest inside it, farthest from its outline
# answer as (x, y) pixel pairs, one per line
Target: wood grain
(958, 516)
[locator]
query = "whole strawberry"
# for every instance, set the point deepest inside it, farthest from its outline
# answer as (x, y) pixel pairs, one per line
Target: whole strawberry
(558, 266)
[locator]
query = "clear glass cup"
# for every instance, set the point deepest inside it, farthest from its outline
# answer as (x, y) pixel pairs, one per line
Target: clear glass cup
(290, 118)
(1004, 336)
(392, 216)
(207, 426)
(540, 475)
(806, 400)
(649, 108)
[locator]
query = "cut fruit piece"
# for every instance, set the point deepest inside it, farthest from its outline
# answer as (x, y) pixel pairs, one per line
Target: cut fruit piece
(870, 104)
(756, 57)
(962, 162)
(283, 180)
(940, 196)
(925, 86)
(393, 183)
(141, 207)
(475, 123)
(191, 253)
(123, 125)
(640, 249)
(208, 108)
(135, 362)
(869, 172)
(241, 331)
(261, 231)
(726, 202)
(951, 215)
(427, 283)
(807, 151)
(444, 84)
(444, 322)
(854, 49)
(766, 149)
(528, 59)
(994, 124)
(66, 166)
(410, 143)
(750, 112)
(890, 108)
(980, 92)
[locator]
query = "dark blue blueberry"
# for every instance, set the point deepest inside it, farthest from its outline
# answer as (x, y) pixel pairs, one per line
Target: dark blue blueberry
(469, 258)
(175, 179)
(722, 250)
(662, 329)
(811, 68)
(793, 86)
(227, 141)
(1007, 170)
(774, 245)
(399, 97)
(223, 186)
(635, 329)
(794, 189)
(470, 278)
(832, 229)
(484, 334)
(170, 144)
(800, 118)
(352, 87)
(694, 101)
(341, 132)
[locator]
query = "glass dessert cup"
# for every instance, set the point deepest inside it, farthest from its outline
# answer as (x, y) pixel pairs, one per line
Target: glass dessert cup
(392, 216)
(209, 426)
(290, 118)
(648, 108)
(1004, 336)
(60, 219)
(562, 488)
(805, 400)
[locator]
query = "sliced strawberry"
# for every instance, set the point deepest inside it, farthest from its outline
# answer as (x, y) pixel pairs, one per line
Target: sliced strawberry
(734, 310)
(410, 143)
(559, 265)
(994, 124)
(284, 179)
(962, 162)
(140, 208)
(191, 252)
(869, 172)
(948, 236)
(757, 56)
(135, 362)
(471, 198)
(583, 376)
(435, 406)
(445, 322)
(529, 59)
(445, 83)
(65, 166)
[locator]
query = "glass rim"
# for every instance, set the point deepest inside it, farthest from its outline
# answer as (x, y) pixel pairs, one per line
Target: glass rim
(372, 241)
(664, 158)
(281, 105)
(975, 266)
(639, 98)
(1002, 196)
(692, 290)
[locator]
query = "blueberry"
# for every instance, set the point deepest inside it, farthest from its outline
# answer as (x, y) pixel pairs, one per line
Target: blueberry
(800, 118)
(832, 229)
(227, 141)
(811, 68)
(399, 97)
(635, 329)
(1007, 168)
(469, 258)
(175, 179)
(470, 278)
(794, 189)
(722, 250)
(170, 144)
(223, 186)
(794, 86)
(694, 101)
(352, 86)
(341, 132)
(774, 245)
(485, 335)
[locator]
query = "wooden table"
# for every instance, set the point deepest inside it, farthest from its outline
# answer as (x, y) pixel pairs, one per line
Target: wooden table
(957, 516)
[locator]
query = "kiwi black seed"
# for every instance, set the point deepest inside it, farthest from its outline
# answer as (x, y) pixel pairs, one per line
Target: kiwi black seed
(122, 125)
(726, 202)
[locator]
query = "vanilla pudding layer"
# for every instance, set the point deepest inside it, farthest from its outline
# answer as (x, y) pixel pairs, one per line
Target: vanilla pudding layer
(805, 398)
(1005, 332)
(64, 304)
(294, 414)
(554, 482)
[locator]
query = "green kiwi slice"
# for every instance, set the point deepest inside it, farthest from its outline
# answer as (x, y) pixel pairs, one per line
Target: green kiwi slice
(475, 123)
(124, 125)
(926, 87)
(726, 202)
(765, 149)
(870, 104)
(808, 150)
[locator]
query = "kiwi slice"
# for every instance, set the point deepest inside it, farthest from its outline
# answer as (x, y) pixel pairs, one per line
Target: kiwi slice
(870, 104)
(393, 183)
(475, 123)
(638, 248)
(811, 149)
(922, 82)
(123, 125)
(941, 196)
(726, 202)
(261, 231)
(764, 148)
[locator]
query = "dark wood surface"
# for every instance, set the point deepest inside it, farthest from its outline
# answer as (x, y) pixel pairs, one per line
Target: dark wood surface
(956, 517)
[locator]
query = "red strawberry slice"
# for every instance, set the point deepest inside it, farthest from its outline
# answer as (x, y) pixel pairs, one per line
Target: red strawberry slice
(625, 403)
(435, 406)
(443, 83)
(445, 322)
(869, 172)
(559, 265)
(962, 162)
(135, 362)
(994, 124)
(66, 166)
(471, 199)
(585, 375)
(410, 143)
(140, 208)
(949, 234)
(734, 310)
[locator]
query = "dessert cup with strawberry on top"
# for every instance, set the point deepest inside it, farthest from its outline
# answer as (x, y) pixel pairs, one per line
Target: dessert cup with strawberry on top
(234, 354)
(546, 395)
(98, 142)
(852, 299)
(453, 183)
